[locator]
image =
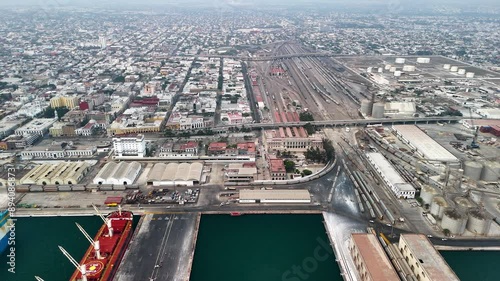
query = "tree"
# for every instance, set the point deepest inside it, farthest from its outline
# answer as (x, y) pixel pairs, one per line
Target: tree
(446, 232)
(289, 166)
(307, 172)
(310, 128)
(306, 116)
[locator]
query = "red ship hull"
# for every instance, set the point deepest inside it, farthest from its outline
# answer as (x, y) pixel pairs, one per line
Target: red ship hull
(112, 249)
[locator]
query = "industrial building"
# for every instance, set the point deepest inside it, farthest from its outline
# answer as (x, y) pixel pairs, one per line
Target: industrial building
(123, 173)
(174, 174)
(370, 259)
(391, 177)
(423, 144)
(424, 260)
(56, 173)
(275, 196)
(240, 172)
(130, 146)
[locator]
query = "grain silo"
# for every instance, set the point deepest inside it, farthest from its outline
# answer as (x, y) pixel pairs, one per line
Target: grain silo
(491, 171)
(378, 110)
(454, 221)
(380, 70)
(400, 60)
(397, 73)
(409, 68)
(478, 223)
(392, 69)
(469, 75)
(388, 66)
(447, 66)
(461, 71)
(463, 203)
(423, 60)
(438, 206)
(473, 170)
(369, 69)
(366, 107)
(428, 193)
(454, 68)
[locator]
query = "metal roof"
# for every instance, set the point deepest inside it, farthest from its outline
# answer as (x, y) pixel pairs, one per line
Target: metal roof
(275, 194)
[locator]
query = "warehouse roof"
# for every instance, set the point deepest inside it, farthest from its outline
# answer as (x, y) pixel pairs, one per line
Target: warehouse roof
(275, 194)
(117, 172)
(424, 144)
(374, 258)
(176, 172)
(431, 261)
(388, 171)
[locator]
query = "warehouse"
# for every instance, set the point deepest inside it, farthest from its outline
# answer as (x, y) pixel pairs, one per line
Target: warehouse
(370, 258)
(423, 259)
(56, 173)
(123, 173)
(275, 196)
(396, 183)
(174, 174)
(423, 144)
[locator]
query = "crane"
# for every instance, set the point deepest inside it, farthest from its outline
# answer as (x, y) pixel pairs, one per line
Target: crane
(38, 278)
(473, 144)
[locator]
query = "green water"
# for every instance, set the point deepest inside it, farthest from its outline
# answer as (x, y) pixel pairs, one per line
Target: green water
(36, 248)
(263, 248)
(474, 265)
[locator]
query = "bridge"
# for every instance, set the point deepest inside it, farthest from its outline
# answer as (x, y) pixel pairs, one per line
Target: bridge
(343, 123)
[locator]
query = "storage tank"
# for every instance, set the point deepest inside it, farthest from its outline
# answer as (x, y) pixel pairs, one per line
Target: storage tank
(392, 69)
(454, 221)
(447, 66)
(366, 107)
(369, 69)
(469, 75)
(438, 206)
(454, 68)
(473, 170)
(409, 68)
(461, 71)
(378, 110)
(397, 73)
(490, 172)
(463, 203)
(400, 60)
(380, 70)
(423, 60)
(427, 194)
(388, 66)
(478, 223)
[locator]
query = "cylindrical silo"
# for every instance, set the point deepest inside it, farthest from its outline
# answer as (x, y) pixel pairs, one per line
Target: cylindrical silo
(478, 222)
(392, 69)
(423, 60)
(378, 110)
(369, 69)
(366, 107)
(447, 66)
(469, 75)
(427, 194)
(438, 206)
(473, 170)
(388, 66)
(409, 68)
(400, 60)
(397, 73)
(461, 71)
(380, 70)
(463, 203)
(491, 171)
(454, 221)
(454, 68)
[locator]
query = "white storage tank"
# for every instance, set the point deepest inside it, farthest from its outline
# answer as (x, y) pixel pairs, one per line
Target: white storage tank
(369, 69)
(454, 68)
(400, 60)
(397, 73)
(478, 222)
(447, 66)
(392, 69)
(438, 206)
(463, 203)
(378, 110)
(473, 170)
(490, 172)
(409, 68)
(423, 60)
(388, 66)
(461, 71)
(366, 107)
(469, 75)
(428, 193)
(380, 70)
(454, 221)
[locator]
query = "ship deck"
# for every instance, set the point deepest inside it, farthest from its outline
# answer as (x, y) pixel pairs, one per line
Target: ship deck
(161, 249)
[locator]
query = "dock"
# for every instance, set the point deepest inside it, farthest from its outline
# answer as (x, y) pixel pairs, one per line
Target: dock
(162, 248)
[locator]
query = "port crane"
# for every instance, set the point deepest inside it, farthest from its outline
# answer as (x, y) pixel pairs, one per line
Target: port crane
(38, 278)
(82, 268)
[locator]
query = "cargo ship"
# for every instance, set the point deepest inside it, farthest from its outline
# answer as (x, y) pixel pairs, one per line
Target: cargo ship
(4, 230)
(104, 255)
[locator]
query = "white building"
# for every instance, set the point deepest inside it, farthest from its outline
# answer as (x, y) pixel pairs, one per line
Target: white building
(38, 126)
(57, 152)
(396, 183)
(130, 146)
(119, 174)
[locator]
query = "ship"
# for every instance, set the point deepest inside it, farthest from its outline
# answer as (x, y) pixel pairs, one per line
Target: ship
(235, 214)
(4, 230)
(102, 258)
